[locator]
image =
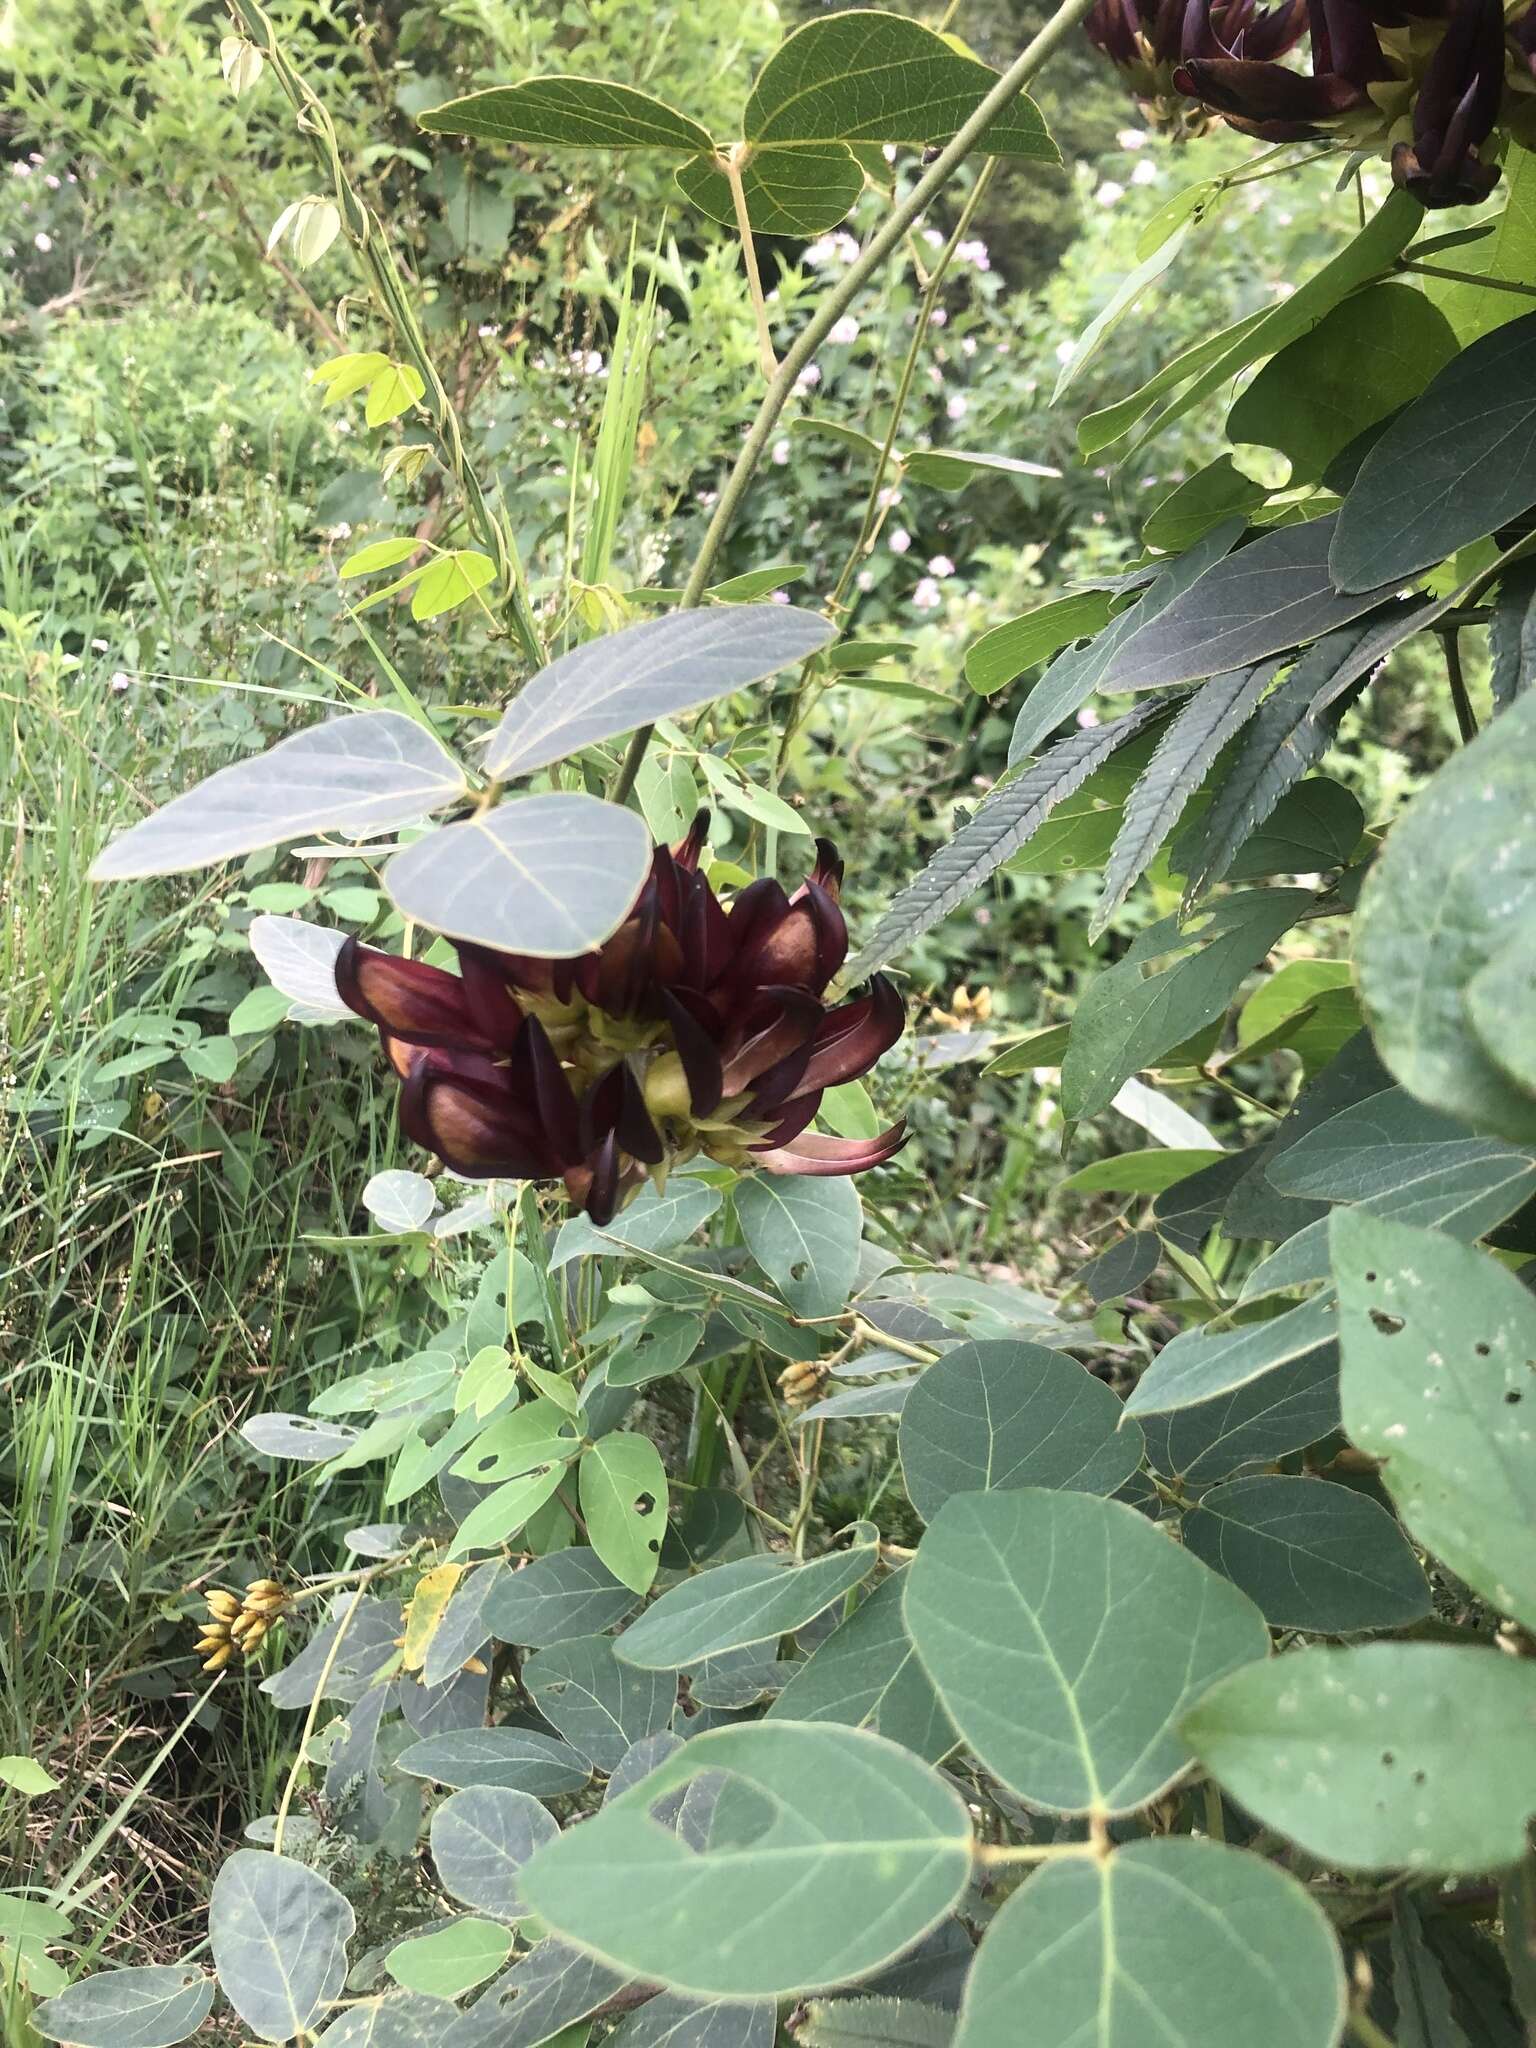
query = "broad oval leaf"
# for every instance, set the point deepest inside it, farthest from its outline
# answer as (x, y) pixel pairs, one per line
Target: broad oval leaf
(1439, 1382)
(865, 75)
(400, 1201)
(804, 1233)
(398, 2019)
(545, 1992)
(1002, 1415)
(752, 1600)
(796, 191)
(866, 1674)
(550, 876)
(1201, 1364)
(450, 1960)
(1453, 890)
(835, 1852)
(1377, 1758)
(279, 1935)
(650, 1223)
(601, 1707)
(146, 2008)
(1295, 1405)
(299, 960)
(658, 669)
(671, 2021)
(367, 772)
(1310, 1555)
(1007, 650)
(622, 1485)
(555, 1599)
(521, 1759)
(1456, 465)
(586, 113)
(1066, 1636)
(1267, 597)
(1178, 1941)
(481, 1839)
(277, 1435)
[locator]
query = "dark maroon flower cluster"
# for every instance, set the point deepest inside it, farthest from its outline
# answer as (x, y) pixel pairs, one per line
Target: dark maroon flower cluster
(699, 1027)
(1382, 73)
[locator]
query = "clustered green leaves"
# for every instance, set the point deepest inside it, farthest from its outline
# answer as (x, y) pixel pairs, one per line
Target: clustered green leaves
(1193, 1693)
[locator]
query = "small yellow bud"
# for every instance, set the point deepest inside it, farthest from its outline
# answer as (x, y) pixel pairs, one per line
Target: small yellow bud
(214, 1642)
(667, 1093)
(252, 1639)
(475, 1665)
(223, 1606)
(219, 1658)
(265, 1603)
(264, 1589)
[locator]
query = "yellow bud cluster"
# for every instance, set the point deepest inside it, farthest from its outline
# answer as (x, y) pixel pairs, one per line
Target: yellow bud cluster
(238, 1622)
(801, 1382)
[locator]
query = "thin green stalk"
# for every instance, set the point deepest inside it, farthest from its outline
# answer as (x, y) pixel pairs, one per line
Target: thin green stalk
(365, 231)
(836, 303)
(1455, 675)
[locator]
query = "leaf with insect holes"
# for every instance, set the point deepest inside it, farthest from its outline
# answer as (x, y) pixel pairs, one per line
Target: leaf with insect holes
(153, 2007)
(622, 1485)
(279, 1935)
(753, 1600)
(367, 772)
(1438, 1381)
(659, 669)
(1376, 1758)
(804, 1233)
(1174, 1940)
(550, 876)
(1066, 1635)
(834, 1847)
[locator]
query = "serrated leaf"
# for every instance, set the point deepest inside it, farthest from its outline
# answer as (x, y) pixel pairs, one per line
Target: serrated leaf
(279, 1935)
(1438, 1377)
(866, 1674)
(853, 1849)
(1452, 891)
(1171, 1940)
(600, 1706)
(366, 772)
(1001, 826)
(1004, 1415)
(1455, 465)
(1188, 746)
(584, 113)
(1074, 676)
(754, 1600)
(659, 669)
(1311, 1555)
(154, 2007)
(520, 1759)
(1265, 598)
(1066, 1635)
(552, 875)
(1291, 731)
(868, 76)
(623, 1491)
(1128, 1018)
(1376, 1758)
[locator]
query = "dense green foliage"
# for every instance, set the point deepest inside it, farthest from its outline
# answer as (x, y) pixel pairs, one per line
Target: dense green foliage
(1080, 1567)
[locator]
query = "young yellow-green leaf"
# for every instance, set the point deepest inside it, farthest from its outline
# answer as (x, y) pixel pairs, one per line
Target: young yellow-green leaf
(448, 1962)
(586, 113)
(852, 1850)
(379, 554)
(343, 375)
(1066, 1636)
(1376, 1758)
(1439, 1381)
(451, 580)
(25, 1775)
(623, 1493)
(1173, 1940)
(498, 1517)
(868, 76)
